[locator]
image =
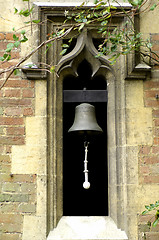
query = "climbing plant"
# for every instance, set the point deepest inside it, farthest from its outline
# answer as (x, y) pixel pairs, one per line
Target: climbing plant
(115, 43)
(154, 210)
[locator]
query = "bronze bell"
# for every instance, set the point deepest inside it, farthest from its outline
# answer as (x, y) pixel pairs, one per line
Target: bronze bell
(85, 120)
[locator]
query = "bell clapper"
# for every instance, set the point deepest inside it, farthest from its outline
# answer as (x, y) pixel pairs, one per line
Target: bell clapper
(86, 184)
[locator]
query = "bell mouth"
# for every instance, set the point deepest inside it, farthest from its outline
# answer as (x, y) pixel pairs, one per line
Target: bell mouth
(85, 121)
(86, 132)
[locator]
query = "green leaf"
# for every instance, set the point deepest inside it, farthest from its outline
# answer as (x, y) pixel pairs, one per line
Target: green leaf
(23, 32)
(153, 7)
(24, 39)
(16, 44)
(26, 12)
(15, 37)
(6, 57)
(52, 69)
(96, 15)
(16, 72)
(154, 224)
(15, 10)
(81, 26)
(149, 223)
(138, 35)
(147, 207)
(65, 45)
(144, 212)
(63, 51)
(113, 48)
(36, 21)
(104, 23)
(9, 47)
(1, 58)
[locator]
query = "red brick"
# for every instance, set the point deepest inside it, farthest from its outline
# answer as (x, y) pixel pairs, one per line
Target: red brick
(13, 111)
(32, 83)
(151, 179)
(6, 64)
(156, 122)
(144, 169)
(15, 131)
(145, 150)
(28, 112)
(9, 36)
(12, 140)
(155, 149)
(15, 55)
(2, 36)
(2, 76)
(151, 84)
(151, 103)
(145, 218)
(155, 47)
(9, 102)
(156, 132)
(11, 218)
(3, 45)
(1, 93)
(155, 37)
(152, 236)
(151, 159)
(151, 93)
(155, 58)
(16, 83)
(155, 113)
(156, 141)
(28, 93)
(12, 93)
(20, 178)
(11, 121)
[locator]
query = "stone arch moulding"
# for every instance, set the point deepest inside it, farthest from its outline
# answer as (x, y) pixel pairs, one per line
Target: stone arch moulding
(60, 226)
(117, 167)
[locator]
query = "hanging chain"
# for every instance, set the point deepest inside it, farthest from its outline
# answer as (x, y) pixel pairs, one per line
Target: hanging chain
(86, 184)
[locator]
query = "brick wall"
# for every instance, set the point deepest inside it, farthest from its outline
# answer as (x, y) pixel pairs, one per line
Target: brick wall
(149, 154)
(17, 192)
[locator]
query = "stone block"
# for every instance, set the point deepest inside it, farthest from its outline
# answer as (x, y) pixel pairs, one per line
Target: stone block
(139, 126)
(34, 228)
(27, 208)
(11, 187)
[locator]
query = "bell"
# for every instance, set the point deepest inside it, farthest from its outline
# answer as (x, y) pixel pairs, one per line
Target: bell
(85, 120)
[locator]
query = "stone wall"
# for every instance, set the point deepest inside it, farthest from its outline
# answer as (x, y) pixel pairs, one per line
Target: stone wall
(23, 143)
(22, 154)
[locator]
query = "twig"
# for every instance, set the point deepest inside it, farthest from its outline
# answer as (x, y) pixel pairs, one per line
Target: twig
(11, 69)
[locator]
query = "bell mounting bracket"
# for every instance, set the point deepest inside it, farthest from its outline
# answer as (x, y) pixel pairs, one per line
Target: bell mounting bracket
(82, 96)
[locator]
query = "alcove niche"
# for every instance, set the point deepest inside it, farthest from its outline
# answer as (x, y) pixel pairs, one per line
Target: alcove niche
(78, 201)
(70, 211)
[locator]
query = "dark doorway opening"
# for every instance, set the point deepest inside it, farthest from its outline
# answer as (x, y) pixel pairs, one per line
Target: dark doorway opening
(78, 201)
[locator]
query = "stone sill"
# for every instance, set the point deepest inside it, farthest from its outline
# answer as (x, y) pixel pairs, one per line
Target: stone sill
(86, 228)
